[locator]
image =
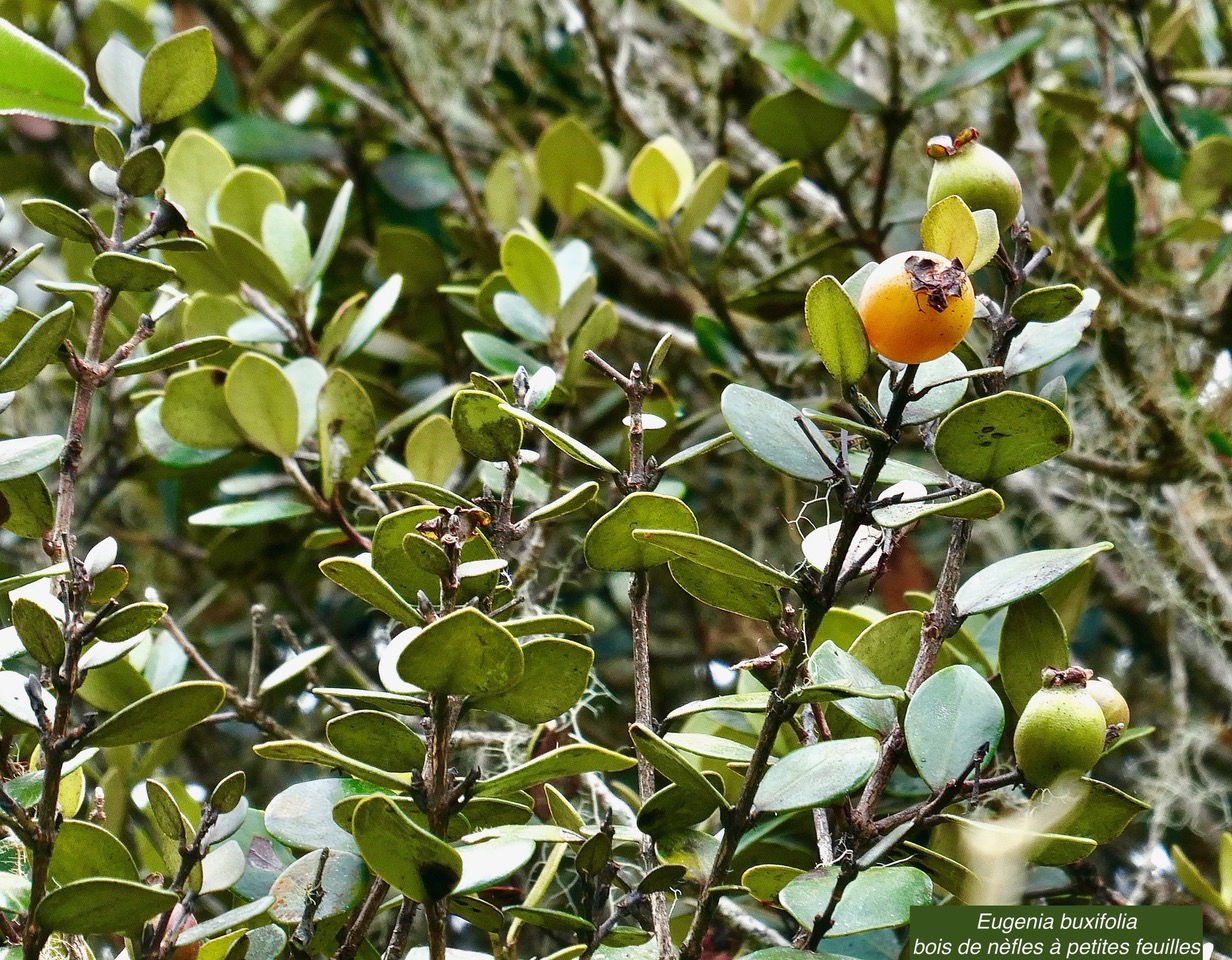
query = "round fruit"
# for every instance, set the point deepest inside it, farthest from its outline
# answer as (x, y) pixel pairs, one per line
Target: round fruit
(916, 306)
(1116, 710)
(980, 176)
(1060, 734)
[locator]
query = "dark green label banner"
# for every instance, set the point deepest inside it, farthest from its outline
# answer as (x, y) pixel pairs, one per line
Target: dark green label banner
(1068, 933)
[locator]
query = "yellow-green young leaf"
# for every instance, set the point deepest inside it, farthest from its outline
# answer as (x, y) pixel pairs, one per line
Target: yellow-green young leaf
(432, 450)
(948, 228)
(715, 14)
(346, 430)
(705, 196)
(36, 348)
(620, 215)
(660, 177)
(878, 15)
(774, 183)
(286, 241)
(1194, 883)
(566, 155)
(243, 197)
(836, 330)
(511, 190)
(179, 73)
(988, 239)
(263, 403)
(194, 410)
(39, 82)
(196, 166)
(527, 263)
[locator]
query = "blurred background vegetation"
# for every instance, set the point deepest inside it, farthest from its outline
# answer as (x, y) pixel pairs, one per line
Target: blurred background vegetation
(1115, 115)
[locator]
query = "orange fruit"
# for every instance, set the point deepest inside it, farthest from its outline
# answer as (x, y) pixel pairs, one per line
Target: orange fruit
(916, 306)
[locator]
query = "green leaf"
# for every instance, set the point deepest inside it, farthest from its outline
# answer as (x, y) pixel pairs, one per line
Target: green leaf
(58, 220)
(194, 410)
(1047, 304)
(409, 858)
(28, 502)
(836, 331)
(528, 264)
(163, 713)
(1194, 883)
(702, 200)
(768, 429)
(755, 702)
(249, 262)
(1100, 812)
(142, 173)
(574, 448)
(879, 897)
(717, 556)
(660, 177)
(36, 349)
(888, 647)
(84, 851)
(1042, 848)
(567, 761)
(992, 437)
(747, 598)
(123, 271)
(250, 513)
(799, 67)
(301, 751)
(346, 430)
(1039, 344)
(981, 505)
(829, 663)
(877, 15)
(610, 544)
(372, 315)
(41, 634)
(22, 456)
(357, 576)
(715, 748)
(179, 73)
(566, 155)
(672, 764)
(952, 715)
(463, 653)
(817, 775)
(949, 228)
(491, 862)
(796, 124)
(676, 807)
(101, 906)
(485, 426)
(547, 623)
(1207, 174)
(343, 881)
(577, 498)
(981, 67)
(554, 677)
(1032, 638)
(939, 399)
(301, 816)
(293, 667)
(38, 82)
(129, 621)
(522, 319)
(197, 348)
(263, 403)
(378, 739)
(331, 234)
(1025, 575)
(620, 215)
(776, 182)
(285, 239)
(497, 355)
(242, 916)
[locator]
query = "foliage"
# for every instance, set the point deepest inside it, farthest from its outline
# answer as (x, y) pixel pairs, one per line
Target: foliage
(490, 399)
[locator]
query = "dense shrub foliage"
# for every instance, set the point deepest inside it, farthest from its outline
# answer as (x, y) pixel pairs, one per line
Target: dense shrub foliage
(620, 480)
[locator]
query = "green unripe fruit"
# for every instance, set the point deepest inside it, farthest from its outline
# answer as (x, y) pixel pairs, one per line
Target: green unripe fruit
(979, 176)
(1060, 734)
(1116, 710)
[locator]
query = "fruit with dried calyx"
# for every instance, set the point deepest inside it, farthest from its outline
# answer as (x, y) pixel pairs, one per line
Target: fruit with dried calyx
(978, 175)
(1061, 732)
(916, 306)
(1116, 710)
